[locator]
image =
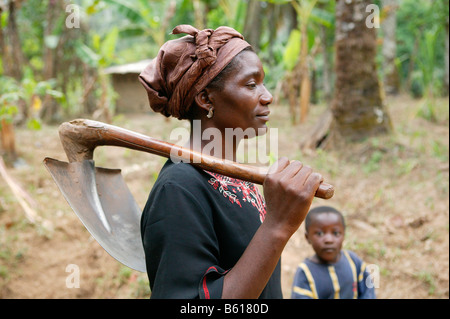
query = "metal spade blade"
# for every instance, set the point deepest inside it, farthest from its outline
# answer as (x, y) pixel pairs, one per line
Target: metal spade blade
(91, 191)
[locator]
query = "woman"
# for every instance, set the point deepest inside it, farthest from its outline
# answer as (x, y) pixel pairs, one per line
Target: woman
(206, 235)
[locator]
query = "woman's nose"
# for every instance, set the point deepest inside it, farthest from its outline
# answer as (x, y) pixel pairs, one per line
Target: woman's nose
(266, 97)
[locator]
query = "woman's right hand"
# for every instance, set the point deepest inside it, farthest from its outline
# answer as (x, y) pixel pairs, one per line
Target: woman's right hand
(289, 189)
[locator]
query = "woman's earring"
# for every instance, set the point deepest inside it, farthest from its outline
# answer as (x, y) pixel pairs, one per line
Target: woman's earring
(210, 113)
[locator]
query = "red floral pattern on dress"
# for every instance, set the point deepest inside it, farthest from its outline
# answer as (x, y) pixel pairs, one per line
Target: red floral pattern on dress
(237, 190)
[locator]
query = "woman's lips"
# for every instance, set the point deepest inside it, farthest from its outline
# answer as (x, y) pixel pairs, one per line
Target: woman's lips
(263, 116)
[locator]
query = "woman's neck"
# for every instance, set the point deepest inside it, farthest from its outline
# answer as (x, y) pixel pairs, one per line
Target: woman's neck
(212, 141)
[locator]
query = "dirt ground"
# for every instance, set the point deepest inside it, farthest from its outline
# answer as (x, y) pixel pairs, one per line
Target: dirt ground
(393, 191)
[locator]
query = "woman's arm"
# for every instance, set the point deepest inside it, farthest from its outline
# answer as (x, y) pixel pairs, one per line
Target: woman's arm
(289, 189)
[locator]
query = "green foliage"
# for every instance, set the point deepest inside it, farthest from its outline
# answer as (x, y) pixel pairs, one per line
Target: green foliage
(427, 61)
(373, 164)
(101, 52)
(122, 31)
(292, 51)
(440, 151)
(86, 54)
(417, 85)
(146, 18)
(10, 94)
(30, 92)
(426, 111)
(227, 12)
(427, 278)
(323, 17)
(420, 34)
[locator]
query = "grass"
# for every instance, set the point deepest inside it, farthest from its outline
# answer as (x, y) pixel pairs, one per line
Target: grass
(428, 279)
(10, 254)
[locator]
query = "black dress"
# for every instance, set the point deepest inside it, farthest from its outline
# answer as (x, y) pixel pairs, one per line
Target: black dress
(195, 227)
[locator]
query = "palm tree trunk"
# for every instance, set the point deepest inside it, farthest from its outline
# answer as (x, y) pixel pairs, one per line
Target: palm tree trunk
(358, 106)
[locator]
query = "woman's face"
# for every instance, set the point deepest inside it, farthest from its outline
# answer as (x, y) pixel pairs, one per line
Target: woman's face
(243, 100)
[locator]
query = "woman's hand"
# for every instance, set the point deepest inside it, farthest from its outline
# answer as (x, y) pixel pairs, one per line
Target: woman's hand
(289, 190)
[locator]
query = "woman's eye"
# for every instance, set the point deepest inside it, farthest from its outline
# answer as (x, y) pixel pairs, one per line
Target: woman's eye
(251, 85)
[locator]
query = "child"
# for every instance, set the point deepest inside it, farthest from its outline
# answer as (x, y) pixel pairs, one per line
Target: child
(331, 273)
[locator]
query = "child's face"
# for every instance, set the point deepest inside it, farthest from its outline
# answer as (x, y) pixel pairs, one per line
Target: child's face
(326, 234)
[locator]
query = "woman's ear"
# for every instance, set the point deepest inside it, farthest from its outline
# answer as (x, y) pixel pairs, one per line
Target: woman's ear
(202, 100)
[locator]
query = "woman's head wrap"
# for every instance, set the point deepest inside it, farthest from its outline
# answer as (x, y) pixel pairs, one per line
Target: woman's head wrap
(185, 66)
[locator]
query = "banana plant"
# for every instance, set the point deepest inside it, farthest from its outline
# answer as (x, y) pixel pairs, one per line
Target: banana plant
(300, 50)
(427, 65)
(147, 18)
(26, 96)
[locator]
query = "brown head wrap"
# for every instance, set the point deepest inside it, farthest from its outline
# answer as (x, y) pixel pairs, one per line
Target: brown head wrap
(185, 66)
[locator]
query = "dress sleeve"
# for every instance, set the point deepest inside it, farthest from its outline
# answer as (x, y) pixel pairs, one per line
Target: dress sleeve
(181, 247)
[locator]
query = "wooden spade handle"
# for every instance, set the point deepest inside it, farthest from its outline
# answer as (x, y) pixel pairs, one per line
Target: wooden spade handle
(80, 137)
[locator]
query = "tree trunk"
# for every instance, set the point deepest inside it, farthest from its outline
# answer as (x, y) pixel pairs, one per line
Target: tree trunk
(292, 92)
(90, 77)
(50, 108)
(253, 22)
(317, 136)
(314, 98)
(327, 79)
(305, 88)
(305, 96)
(389, 25)
(273, 13)
(358, 107)
(8, 141)
(17, 53)
(13, 58)
(49, 52)
(288, 88)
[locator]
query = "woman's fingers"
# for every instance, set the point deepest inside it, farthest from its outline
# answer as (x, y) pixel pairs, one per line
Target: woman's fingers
(278, 166)
(289, 190)
(294, 176)
(292, 169)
